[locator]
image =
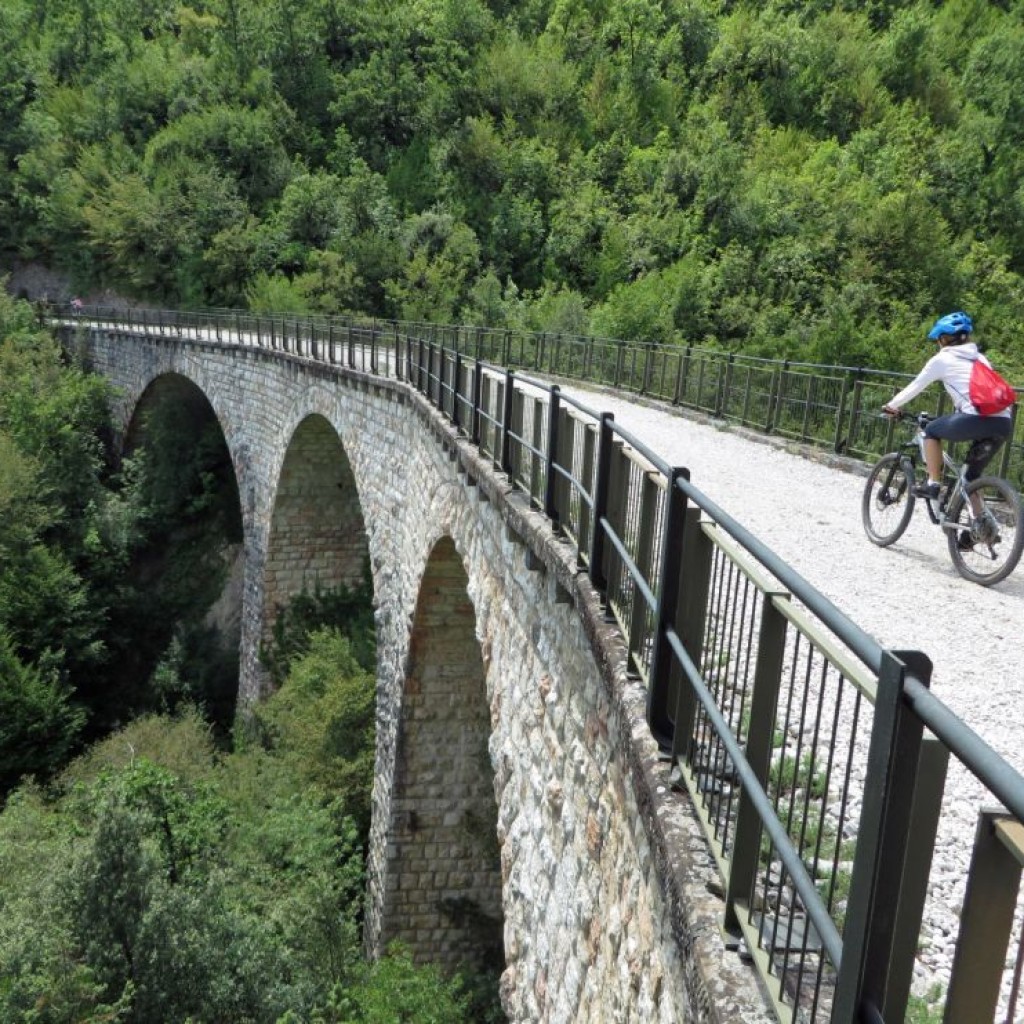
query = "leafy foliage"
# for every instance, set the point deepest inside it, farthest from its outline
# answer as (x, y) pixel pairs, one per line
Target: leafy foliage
(161, 880)
(39, 724)
(347, 609)
(107, 568)
(321, 721)
(63, 537)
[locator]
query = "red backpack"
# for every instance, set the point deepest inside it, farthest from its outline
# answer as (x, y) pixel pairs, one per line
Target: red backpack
(989, 392)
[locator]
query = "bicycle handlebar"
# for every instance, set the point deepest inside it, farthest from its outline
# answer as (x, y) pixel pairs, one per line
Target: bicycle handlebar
(922, 419)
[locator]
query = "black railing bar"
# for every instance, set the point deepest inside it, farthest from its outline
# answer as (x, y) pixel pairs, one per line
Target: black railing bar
(524, 444)
(631, 566)
(577, 485)
(580, 340)
(1001, 778)
(805, 887)
(856, 639)
(634, 442)
(563, 397)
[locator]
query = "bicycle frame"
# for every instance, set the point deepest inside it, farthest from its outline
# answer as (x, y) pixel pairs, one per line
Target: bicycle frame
(937, 507)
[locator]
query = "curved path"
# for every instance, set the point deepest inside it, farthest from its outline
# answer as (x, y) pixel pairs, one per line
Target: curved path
(806, 508)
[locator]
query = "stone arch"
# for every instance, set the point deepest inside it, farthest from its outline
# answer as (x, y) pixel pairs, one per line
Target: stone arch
(190, 399)
(317, 538)
(443, 889)
(188, 414)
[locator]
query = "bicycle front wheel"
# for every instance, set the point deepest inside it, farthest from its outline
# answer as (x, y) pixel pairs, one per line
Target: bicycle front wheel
(888, 500)
(985, 531)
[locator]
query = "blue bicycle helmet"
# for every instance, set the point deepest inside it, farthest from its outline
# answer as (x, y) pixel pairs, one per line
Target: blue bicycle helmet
(951, 323)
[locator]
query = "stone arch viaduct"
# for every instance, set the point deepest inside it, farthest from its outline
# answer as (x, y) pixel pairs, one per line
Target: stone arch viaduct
(520, 808)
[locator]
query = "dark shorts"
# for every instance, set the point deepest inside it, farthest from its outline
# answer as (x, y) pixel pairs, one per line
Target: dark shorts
(964, 426)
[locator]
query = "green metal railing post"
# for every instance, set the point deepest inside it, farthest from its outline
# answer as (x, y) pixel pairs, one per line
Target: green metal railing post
(551, 477)
(506, 423)
(724, 383)
(588, 460)
(922, 827)
(457, 391)
(539, 464)
(650, 486)
(775, 403)
(838, 442)
(684, 376)
(478, 376)
(986, 919)
(597, 538)
(670, 557)
(691, 610)
(745, 860)
(872, 921)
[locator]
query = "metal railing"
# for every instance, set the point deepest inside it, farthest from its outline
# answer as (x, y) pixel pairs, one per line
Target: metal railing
(815, 758)
(833, 407)
(827, 406)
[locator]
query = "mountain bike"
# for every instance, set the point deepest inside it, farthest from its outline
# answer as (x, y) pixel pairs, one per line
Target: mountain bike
(981, 517)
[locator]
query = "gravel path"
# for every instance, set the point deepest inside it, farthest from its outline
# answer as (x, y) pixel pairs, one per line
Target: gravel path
(907, 596)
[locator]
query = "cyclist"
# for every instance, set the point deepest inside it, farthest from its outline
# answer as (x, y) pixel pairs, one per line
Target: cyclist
(952, 365)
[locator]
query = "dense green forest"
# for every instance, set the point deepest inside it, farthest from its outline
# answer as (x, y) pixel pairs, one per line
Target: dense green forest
(817, 180)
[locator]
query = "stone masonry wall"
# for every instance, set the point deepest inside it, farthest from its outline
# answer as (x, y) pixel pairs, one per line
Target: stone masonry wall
(443, 872)
(604, 875)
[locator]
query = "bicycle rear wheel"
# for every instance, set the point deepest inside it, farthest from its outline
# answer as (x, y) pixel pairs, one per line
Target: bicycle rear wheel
(986, 548)
(888, 500)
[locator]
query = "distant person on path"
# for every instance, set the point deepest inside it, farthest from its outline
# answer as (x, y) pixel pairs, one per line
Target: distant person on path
(952, 365)
(76, 306)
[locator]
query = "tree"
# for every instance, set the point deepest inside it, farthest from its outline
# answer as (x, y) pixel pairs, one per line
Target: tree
(57, 525)
(322, 721)
(442, 259)
(39, 724)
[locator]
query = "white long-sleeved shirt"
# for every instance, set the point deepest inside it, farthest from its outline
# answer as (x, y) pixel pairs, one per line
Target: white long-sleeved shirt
(951, 365)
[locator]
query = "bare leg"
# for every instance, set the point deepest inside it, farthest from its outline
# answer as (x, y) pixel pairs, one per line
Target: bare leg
(933, 458)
